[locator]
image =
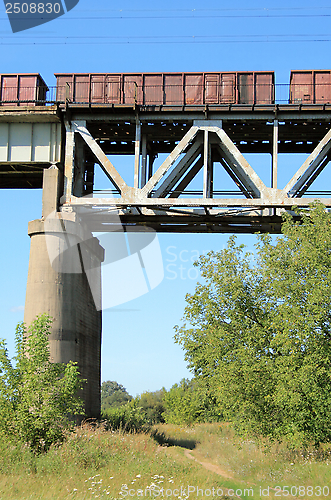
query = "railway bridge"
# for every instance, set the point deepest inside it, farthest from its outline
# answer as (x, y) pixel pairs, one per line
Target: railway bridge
(176, 158)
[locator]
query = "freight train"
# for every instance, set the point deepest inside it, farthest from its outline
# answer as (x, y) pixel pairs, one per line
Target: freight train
(164, 89)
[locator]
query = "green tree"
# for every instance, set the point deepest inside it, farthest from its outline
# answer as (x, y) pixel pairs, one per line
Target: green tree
(37, 398)
(113, 395)
(258, 330)
(189, 402)
(151, 404)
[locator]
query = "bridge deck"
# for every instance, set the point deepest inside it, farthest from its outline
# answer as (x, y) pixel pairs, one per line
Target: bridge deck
(195, 139)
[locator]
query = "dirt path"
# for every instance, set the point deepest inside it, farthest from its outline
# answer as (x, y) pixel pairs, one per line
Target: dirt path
(216, 469)
(207, 465)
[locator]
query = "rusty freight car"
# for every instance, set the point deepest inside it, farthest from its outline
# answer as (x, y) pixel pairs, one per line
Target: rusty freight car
(310, 87)
(167, 88)
(22, 89)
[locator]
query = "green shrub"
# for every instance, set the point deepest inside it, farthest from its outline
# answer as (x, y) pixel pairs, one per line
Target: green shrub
(152, 405)
(129, 418)
(188, 402)
(37, 398)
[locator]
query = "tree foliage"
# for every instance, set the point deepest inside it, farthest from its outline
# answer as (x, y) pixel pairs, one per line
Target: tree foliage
(188, 402)
(259, 329)
(37, 398)
(152, 405)
(121, 410)
(113, 394)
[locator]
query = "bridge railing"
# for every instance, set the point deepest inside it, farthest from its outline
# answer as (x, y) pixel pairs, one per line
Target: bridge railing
(151, 96)
(28, 96)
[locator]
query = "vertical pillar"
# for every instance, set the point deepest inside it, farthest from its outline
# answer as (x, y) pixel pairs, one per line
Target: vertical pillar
(151, 159)
(207, 167)
(143, 161)
(137, 154)
(274, 156)
(79, 167)
(69, 162)
(64, 280)
(52, 180)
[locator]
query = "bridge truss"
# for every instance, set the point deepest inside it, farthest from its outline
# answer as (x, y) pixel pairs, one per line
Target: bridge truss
(179, 193)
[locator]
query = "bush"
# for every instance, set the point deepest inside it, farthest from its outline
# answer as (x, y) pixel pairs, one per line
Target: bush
(188, 402)
(152, 405)
(37, 398)
(129, 418)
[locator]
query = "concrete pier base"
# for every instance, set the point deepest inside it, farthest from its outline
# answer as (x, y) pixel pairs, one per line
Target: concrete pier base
(64, 280)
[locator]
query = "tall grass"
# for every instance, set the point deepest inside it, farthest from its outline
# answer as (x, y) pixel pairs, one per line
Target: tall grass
(100, 463)
(94, 463)
(256, 463)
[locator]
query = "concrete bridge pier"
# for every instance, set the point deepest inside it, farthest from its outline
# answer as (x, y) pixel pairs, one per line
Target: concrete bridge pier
(64, 280)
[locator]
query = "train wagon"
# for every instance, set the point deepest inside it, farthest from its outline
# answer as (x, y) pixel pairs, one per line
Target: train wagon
(310, 87)
(22, 89)
(167, 88)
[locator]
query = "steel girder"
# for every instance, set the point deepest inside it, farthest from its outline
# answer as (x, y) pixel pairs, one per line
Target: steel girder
(158, 198)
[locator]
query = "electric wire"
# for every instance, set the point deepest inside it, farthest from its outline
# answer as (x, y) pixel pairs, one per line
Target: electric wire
(194, 14)
(192, 40)
(211, 16)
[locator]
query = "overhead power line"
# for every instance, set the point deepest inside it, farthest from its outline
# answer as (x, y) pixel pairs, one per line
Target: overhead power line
(184, 38)
(211, 16)
(226, 9)
(131, 40)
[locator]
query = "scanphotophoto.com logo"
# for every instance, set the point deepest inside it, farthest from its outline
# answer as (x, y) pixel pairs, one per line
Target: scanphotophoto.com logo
(25, 15)
(131, 266)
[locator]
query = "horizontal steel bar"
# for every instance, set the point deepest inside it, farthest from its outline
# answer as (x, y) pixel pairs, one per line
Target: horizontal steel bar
(184, 116)
(197, 202)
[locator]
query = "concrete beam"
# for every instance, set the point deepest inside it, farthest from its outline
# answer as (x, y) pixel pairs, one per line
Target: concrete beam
(69, 165)
(52, 180)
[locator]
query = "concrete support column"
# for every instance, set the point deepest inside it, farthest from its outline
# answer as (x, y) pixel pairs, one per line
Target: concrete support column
(52, 183)
(64, 280)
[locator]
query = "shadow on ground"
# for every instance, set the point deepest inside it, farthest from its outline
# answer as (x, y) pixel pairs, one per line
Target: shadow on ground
(164, 440)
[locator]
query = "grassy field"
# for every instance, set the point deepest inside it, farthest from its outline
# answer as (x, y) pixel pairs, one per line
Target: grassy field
(202, 461)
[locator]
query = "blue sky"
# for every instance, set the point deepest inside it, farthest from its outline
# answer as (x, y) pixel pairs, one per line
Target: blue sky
(126, 36)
